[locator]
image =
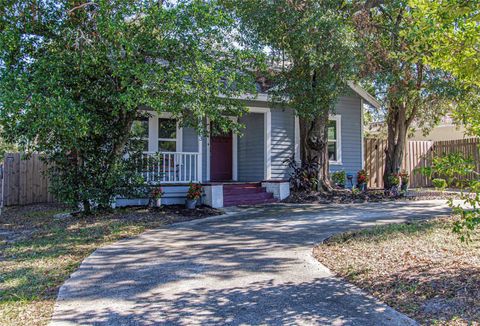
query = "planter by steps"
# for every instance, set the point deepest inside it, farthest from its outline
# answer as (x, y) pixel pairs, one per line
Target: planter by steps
(191, 203)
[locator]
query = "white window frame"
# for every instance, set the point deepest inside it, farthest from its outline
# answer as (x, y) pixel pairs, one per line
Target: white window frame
(153, 133)
(147, 119)
(338, 122)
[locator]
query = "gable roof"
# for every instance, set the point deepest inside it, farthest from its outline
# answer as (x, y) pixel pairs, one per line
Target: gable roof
(360, 91)
(364, 94)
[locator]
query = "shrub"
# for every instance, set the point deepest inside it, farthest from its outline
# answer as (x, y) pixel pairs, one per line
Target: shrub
(156, 192)
(339, 178)
(440, 184)
(394, 179)
(404, 177)
(194, 191)
(451, 167)
(362, 177)
(304, 177)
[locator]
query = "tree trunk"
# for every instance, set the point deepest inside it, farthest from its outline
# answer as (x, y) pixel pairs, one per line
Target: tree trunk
(397, 124)
(314, 147)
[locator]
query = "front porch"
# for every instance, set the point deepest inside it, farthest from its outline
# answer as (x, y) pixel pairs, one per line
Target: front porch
(178, 155)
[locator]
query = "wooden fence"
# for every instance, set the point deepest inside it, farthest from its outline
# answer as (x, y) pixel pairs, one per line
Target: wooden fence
(417, 154)
(23, 181)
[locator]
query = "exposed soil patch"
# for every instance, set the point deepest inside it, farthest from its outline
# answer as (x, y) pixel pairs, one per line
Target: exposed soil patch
(40, 247)
(421, 269)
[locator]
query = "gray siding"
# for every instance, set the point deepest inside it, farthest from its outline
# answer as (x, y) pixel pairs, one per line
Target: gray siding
(190, 140)
(250, 148)
(189, 144)
(349, 107)
(283, 141)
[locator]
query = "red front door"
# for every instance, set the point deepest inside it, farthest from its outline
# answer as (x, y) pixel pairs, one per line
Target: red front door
(221, 157)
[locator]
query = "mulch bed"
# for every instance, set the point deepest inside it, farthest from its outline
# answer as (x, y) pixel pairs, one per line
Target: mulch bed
(345, 196)
(338, 197)
(421, 269)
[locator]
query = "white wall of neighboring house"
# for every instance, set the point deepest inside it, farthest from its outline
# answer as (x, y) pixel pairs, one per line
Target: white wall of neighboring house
(442, 132)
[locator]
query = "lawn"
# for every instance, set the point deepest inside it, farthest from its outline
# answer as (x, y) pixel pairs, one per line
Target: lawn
(420, 268)
(38, 252)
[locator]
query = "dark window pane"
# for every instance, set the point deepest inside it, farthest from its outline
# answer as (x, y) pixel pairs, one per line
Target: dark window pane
(140, 128)
(332, 151)
(167, 146)
(332, 130)
(167, 128)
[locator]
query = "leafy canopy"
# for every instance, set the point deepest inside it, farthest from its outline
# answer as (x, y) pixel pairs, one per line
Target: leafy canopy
(311, 48)
(74, 76)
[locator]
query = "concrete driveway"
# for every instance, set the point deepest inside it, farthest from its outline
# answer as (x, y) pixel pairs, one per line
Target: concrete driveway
(254, 266)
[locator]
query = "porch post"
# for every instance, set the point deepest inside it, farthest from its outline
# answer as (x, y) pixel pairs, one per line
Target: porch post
(297, 139)
(268, 145)
(200, 159)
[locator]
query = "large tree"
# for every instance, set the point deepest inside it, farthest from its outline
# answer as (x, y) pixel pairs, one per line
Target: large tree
(75, 74)
(412, 90)
(312, 50)
(449, 33)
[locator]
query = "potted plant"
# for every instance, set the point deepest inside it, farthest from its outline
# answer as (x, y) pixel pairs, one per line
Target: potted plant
(156, 194)
(394, 181)
(338, 178)
(404, 178)
(193, 195)
(362, 180)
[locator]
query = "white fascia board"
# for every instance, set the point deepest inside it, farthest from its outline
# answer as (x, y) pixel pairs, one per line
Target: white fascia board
(364, 94)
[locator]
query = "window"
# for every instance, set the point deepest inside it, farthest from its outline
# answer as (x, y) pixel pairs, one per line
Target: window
(167, 135)
(334, 149)
(140, 133)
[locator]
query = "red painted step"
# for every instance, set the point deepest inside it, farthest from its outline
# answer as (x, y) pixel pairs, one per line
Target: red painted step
(246, 194)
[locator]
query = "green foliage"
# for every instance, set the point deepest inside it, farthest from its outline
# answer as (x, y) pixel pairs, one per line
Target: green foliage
(451, 167)
(440, 184)
(394, 180)
(339, 178)
(448, 34)
(5, 148)
(448, 170)
(74, 78)
(310, 42)
(304, 175)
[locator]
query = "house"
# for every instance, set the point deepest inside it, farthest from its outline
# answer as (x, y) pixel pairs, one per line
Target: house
(250, 168)
(445, 130)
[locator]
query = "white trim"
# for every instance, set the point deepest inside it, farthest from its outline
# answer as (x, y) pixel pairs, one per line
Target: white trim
(179, 144)
(200, 158)
(297, 139)
(208, 151)
(362, 135)
(338, 120)
(234, 153)
(258, 109)
(364, 94)
(153, 133)
(267, 122)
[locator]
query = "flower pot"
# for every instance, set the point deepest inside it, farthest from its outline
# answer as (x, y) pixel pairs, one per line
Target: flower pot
(157, 202)
(191, 203)
(362, 186)
(404, 187)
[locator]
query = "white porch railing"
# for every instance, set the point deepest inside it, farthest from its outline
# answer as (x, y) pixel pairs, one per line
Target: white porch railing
(170, 167)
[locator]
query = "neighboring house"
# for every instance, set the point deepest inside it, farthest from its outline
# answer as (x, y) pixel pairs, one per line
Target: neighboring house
(446, 130)
(234, 168)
